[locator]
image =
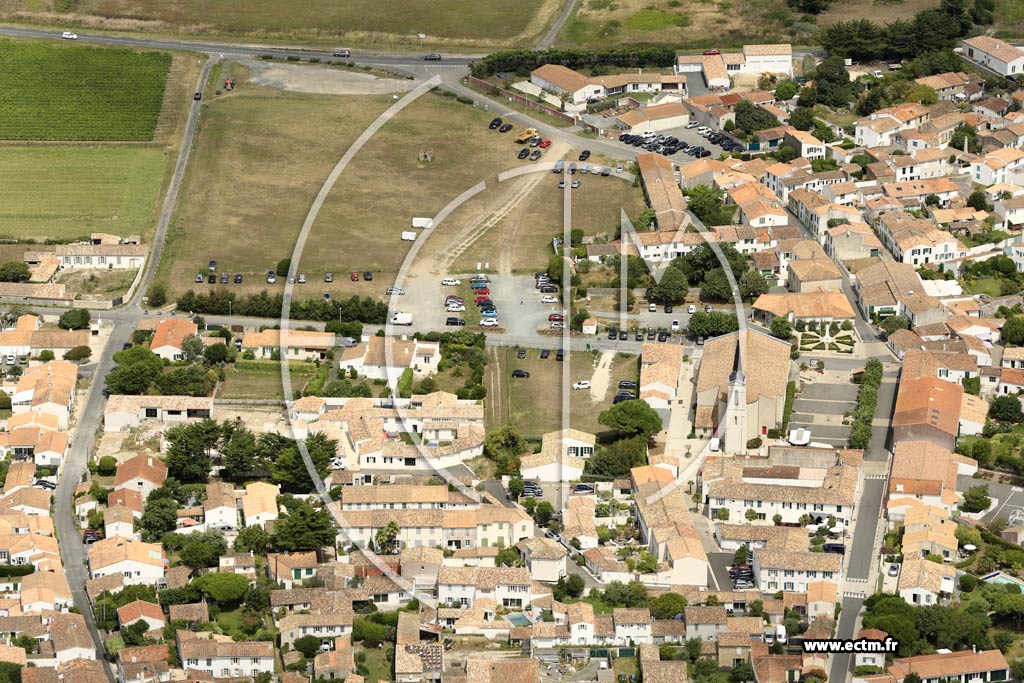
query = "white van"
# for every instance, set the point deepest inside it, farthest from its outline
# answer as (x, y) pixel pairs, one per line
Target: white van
(450, 282)
(715, 444)
(652, 308)
(780, 634)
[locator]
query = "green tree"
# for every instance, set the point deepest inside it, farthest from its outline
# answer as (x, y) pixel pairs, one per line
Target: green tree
(252, 539)
(239, 452)
(14, 271)
(107, 465)
(504, 442)
(283, 266)
(75, 319)
(222, 587)
(802, 118)
(192, 347)
(1006, 409)
(978, 201)
(752, 285)
(742, 673)
(668, 606)
(159, 517)
(214, 354)
(188, 454)
(750, 117)
(78, 353)
(786, 90)
(976, 499)
(615, 459)
(515, 487)
(202, 550)
(923, 94)
(706, 203)
(965, 134)
(781, 329)
(574, 585)
(289, 469)
(156, 297)
(893, 323)
(309, 646)
(543, 512)
(833, 82)
(386, 538)
(712, 324)
(634, 418)
(1013, 330)
(304, 528)
(137, 369)
(671, 290)
(716, 287)
(46, 355)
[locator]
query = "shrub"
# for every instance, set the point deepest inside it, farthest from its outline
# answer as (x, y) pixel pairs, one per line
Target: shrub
(78, 353)
(107, 465)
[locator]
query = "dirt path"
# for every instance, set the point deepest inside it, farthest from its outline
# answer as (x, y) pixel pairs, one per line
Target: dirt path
(602, 376)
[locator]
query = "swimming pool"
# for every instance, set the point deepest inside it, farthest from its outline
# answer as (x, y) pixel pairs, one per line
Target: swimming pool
(518, 619)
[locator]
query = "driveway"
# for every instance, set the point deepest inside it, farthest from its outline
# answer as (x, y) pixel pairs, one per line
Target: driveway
(718, 566)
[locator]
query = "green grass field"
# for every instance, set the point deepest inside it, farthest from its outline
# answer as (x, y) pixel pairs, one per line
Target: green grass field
(449, 19)
(255, 384)
(54, 91)
(66, 192)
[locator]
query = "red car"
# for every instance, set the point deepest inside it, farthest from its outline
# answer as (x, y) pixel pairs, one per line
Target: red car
(354, 277)
(556, 317)
(544, 144)
(478, 299)
(712, 52)
(482, 292)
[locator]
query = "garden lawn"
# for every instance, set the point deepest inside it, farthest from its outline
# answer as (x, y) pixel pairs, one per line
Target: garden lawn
(58, 91)
(985, 285)
(262, 384)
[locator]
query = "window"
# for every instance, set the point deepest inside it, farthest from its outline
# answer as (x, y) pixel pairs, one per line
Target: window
(234, 660)
(255, 660)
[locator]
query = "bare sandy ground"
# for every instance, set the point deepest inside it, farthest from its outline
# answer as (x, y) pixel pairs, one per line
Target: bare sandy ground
(319, 80)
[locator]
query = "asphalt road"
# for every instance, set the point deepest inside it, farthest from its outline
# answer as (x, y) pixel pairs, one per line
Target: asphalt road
(841, 663)
(862, 549)
(238, 49)
(72, 471)
(167, 211)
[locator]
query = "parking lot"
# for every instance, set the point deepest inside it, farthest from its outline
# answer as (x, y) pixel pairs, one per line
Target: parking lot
(691, 137)
(820, 406)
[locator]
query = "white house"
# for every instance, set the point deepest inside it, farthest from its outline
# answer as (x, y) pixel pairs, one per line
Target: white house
(923, 582)
(544, 557)
(221, 657)
(137, 562)
(168, 337)
(388, 357)
(123, 412)
(562, 456)
(998, 55)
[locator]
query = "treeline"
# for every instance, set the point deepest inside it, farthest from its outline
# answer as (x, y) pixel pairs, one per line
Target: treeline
(528, 60)
(930, 30)
(266, 305)
(867, 401)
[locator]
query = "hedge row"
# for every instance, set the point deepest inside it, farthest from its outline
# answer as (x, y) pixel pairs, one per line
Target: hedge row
(266, 305)
(867, 401)
(528, 60)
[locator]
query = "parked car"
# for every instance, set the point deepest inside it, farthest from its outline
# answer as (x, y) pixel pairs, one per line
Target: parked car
(662, 336)
(894, 570)
(455, 322)
(535, 155)
(505, 127)
(521, 353)
(535, 141)
(623, 335)
(627, 384)
(548, 299)
(496, 123)
(582, 384)
(238, 278)
(354, 277)
(391, 290)
(575, 184)
(560, 355)
(556, 317)
(342, 53)
(584, 155)
(561, 184)
(451, 282)
(557, 325)
(455, 308)
(524, 152)
(368, 275)
(212, 267)
(199, 277)
(613, 332)
(544, 353)
(520, 374)
(489, 322)
(544, 144)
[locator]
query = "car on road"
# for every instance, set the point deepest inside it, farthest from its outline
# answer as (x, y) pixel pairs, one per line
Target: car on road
(489, 322)
(505, 127)
(582, 384)
(548, 299)
(451, 282)
(584, 155)
(432, 57)
(454, 322)
(520, 374)
(368, 275)
(342, 53)
(68, 35)
(524, 152)
(894, 570)
(496, 123)
(535, 155)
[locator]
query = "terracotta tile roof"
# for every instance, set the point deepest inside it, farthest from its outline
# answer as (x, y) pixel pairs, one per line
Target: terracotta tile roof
(928, 401)
(918, 572)
(139, 609)
(999, 49)
(293, 339)
(663, 193)
(562, 77)
(149, 468)
(172, 333)
(108, 551)
(196, 612)
(829, 303)
(767, 376)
